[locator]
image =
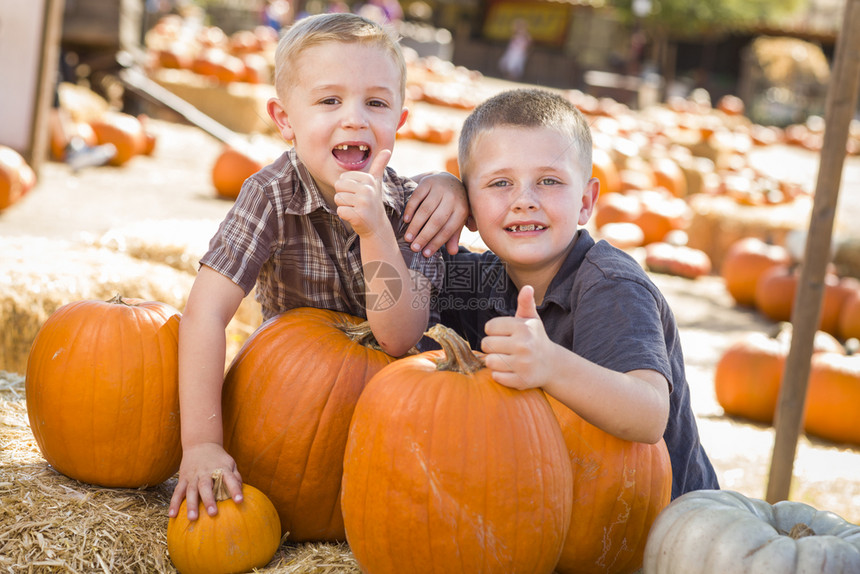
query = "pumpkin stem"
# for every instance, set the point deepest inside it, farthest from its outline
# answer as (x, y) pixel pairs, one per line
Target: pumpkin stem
(362, 334)
(800, 530)
(219, 488)
(117, 300)
(459, 357)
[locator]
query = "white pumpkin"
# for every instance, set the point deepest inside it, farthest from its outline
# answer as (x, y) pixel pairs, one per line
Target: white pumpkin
(724, 532)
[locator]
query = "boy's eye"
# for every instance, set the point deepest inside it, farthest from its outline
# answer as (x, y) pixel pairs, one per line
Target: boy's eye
(549, 181)
(499, 183)
(329, 101)
(378, 103)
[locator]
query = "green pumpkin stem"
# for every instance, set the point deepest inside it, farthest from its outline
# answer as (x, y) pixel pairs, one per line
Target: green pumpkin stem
(219, 489)
(459, 357)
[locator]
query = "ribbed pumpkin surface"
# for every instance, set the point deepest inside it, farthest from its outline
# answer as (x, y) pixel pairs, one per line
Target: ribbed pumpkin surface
(619, 488)
(287, 403)
(452, 473)
(102, 392)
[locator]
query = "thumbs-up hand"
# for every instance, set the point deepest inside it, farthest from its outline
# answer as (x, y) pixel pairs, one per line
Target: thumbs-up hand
(518, 348)
(358, 196)
(526, 306)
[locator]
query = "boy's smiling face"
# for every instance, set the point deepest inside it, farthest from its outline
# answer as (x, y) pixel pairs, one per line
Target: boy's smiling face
(344, 107)
(528, 195)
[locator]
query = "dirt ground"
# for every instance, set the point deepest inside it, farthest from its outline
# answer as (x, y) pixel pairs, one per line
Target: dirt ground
(174, 184)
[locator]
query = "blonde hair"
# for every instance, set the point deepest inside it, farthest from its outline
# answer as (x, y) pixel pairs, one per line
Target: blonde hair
(337, 27)
(527, 108)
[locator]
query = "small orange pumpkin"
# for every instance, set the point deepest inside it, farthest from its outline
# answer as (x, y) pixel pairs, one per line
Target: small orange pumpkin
(776, 289)
(604, 169)
(748, 375)
(232, 167)
(238, 538)
(661, 214)
(669, 175)
(123, 131)
(102, 391)
(16, 176)
(744, 263)
(680, 260)
(833, 397)
(849, 318)
(617, 208)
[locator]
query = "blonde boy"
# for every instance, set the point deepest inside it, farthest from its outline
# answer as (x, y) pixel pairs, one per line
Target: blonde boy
(549, 306)
(305, 228)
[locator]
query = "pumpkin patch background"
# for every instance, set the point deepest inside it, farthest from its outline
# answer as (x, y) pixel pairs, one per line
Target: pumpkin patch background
(141, 227)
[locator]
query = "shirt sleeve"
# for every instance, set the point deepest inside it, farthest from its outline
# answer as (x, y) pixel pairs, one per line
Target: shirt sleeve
(617, 325)
(243, 240)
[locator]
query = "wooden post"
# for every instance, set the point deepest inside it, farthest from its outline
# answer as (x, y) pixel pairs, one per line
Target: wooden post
(840, 109)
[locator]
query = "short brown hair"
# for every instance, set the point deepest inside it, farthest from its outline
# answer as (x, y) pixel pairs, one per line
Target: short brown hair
(337, 27)
(527, 108)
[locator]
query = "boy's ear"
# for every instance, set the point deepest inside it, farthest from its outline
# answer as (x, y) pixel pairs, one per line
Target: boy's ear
(589, 198)
(403, 115)
(279, 116)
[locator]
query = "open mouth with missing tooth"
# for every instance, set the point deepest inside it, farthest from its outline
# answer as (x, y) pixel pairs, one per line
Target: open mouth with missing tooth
(351, 154)
(530, 227)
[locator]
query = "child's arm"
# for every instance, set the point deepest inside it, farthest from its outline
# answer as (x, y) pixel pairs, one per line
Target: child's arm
(632, 406)
(436, 212)
(202, 350)
(397, 323)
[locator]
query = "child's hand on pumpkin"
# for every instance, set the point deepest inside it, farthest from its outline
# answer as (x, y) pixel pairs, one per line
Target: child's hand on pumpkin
(358, 196)
(195, 479)
(518, 348)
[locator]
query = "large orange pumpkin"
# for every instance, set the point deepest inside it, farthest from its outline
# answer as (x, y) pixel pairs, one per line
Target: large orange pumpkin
(749, 373)
(619, 488)
(238, 538)
(833, 397)
(102, 391)
(287, 403)
(448, 471)
(776, 290)
(745, 261)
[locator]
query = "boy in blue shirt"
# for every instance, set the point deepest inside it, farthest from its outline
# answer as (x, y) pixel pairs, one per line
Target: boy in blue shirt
(551, 307)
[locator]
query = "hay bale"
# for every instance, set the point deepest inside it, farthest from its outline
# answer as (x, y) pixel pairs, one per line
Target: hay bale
(40, 275)
(52, 523)
(180, 243)
(718, 221)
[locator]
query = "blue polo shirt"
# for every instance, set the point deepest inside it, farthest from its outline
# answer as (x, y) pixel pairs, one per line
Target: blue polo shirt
(602, 306)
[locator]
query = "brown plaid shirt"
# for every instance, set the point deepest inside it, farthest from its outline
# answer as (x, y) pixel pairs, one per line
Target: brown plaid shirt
(281, 235)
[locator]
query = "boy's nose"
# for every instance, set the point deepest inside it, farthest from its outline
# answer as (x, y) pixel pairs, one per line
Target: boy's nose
(354, 117)
(525, 199)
